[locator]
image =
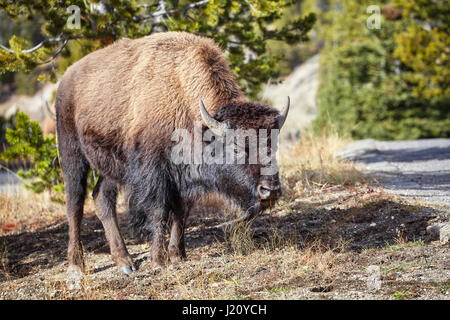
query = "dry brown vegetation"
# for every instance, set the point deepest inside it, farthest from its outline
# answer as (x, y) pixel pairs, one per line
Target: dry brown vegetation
(26, 211)
(331, 224)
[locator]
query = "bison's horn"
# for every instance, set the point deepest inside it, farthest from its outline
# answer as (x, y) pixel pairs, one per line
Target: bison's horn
(217, 127)
(283, 115)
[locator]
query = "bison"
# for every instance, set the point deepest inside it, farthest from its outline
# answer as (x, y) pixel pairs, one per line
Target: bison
(116, 111)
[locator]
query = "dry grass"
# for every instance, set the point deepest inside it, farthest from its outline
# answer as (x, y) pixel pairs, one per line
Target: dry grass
(257, 274)
(4, 260)
(311, 165)
(27, 211)
(228, 270)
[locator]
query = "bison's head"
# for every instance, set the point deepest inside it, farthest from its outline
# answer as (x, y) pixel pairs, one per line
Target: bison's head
(249, 133)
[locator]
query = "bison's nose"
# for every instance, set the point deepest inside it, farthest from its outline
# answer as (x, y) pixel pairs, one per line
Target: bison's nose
(269, 191)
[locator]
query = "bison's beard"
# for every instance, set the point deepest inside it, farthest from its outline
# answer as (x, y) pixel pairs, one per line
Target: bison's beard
(252, 211)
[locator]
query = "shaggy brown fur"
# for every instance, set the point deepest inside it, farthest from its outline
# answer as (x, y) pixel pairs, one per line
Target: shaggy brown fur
(159, 79)
(116, 111)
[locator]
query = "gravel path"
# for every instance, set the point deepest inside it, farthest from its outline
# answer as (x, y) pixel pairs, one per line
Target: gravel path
(9, 183)
(416, 168)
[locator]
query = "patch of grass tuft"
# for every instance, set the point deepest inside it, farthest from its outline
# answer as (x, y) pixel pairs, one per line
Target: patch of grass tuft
(311, 165)
(402, 295)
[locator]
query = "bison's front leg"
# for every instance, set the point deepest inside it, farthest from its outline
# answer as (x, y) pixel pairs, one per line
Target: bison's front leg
(176, 248)
(159, 223)
(105, 196)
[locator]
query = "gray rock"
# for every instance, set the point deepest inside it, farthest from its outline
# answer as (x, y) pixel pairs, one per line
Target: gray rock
(433, 231)
(444, 233)
(440, 231)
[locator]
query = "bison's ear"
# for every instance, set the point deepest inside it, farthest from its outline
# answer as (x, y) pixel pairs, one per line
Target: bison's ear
(283, 114)
(217, 127)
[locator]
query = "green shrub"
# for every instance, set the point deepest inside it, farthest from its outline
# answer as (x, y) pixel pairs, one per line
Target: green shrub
(27, 143)
(5, 123)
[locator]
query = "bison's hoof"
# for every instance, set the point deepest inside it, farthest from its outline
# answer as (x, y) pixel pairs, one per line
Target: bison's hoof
(175, 259)
(127, 270)
(74, 277)
(156, 265)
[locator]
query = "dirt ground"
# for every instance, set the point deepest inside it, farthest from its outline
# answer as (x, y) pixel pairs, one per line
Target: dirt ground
(361, 243)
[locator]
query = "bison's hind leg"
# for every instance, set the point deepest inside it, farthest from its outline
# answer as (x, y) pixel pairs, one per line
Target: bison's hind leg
(75, 168)
(105, 196)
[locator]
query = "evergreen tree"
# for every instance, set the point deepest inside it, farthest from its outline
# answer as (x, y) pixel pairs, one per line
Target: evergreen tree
(424, 46)
(241, 28)
(389, 82)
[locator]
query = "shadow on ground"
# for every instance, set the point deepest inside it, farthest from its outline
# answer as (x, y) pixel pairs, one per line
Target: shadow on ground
(45, 247)
(374, 225)
(425, 181)
(404, 155)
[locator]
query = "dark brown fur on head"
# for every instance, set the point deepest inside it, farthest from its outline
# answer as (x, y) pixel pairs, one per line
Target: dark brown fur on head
(249, 115)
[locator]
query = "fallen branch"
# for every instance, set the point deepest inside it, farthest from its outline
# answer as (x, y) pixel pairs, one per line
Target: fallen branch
(12, 172)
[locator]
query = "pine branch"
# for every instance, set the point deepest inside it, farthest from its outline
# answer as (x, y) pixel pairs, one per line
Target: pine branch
(62, 39)
(162, 10)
